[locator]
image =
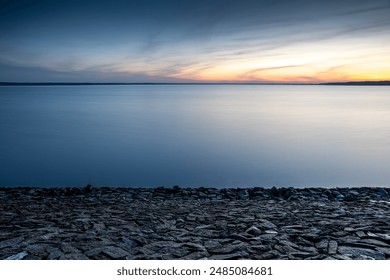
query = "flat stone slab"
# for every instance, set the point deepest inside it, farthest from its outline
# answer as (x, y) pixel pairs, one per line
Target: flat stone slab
(200, 223)
(114, 252)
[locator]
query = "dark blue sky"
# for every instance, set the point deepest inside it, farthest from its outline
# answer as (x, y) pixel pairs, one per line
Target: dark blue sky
(214, 40)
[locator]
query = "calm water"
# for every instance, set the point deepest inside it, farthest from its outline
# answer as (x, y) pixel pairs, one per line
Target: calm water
(195, 135)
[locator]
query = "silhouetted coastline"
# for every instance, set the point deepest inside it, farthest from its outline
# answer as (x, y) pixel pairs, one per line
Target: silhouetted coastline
(360, 83)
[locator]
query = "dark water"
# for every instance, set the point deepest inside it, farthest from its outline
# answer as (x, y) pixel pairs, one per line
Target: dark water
(195, 135)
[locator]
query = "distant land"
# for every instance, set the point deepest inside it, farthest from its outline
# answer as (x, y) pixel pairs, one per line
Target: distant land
(359, 83)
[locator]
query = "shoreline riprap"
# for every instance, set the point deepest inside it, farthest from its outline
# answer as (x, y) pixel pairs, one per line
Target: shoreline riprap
(199, 223)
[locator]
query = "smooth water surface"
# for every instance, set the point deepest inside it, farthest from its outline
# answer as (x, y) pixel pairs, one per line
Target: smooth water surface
(195, 135)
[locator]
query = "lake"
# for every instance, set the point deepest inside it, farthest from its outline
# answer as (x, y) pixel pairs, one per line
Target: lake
(195, 135)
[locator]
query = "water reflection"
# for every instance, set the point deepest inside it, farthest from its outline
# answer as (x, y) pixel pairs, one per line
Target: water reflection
(195, 135)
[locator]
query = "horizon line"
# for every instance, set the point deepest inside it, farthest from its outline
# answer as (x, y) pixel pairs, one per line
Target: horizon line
(385, 82)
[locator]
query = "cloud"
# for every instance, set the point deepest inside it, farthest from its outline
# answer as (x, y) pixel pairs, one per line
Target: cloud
(156, 39)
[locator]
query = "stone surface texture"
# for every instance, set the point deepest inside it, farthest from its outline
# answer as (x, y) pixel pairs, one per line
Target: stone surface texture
(194, 223)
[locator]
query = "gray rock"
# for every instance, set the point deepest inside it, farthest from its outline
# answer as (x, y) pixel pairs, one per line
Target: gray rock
(360, 234)
(234, 256)
(268, 238)
(342, 257)
(329, 258)
(382, 193)
(322, 245)
(179, 252)
(243, 194)
(253, 231)
(69, 249)
(373, 242)
(32, 258)
(270, 255)
(302, 255)
(98, 227)
(37, 249)
(340, 233)
(271, 232)
(114, 252)
(256, 249)
(310, 250)
(226, 249)
(14, 242)
(197, 255)
(370, 234)
(332, 247)
(385, 251)
(265, 224)
(194, 246)
(285, 249)
(140, 240)
(128, 243)
(360, 253)
(211, 244)
(283, 242)
(211, 226)
(383, 236)
(18, 256)
(74, 256)
(130, 257)
(55, 255)
(93, 252)
(240, 237)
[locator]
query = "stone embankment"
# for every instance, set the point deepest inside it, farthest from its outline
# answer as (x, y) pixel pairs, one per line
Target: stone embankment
(202, 223)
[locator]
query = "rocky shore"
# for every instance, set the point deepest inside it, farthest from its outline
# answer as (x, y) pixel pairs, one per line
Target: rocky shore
(202, 223)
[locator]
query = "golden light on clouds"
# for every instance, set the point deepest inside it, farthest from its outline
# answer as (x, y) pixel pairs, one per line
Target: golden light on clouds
(237, 41)
(306, 63)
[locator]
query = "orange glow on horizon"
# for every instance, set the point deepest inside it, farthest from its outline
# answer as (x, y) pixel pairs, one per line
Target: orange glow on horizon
(311, 62)
(292, 77)
(305, 66)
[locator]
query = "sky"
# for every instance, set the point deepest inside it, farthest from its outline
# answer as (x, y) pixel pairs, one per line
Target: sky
(284, 41)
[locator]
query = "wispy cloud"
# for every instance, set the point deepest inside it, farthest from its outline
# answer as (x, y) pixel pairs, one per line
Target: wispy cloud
(248, 39)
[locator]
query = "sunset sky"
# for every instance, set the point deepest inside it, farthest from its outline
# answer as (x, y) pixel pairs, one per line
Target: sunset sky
(290, 41)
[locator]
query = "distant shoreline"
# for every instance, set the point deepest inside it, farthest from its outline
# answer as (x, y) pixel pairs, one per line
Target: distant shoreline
(362, 83)
(359, 83)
